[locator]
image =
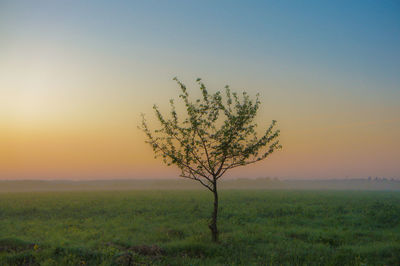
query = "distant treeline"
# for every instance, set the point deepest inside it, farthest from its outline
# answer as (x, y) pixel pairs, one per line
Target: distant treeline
(181, 184)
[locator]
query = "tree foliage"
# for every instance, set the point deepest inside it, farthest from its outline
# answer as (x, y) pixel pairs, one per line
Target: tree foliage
(218, 133)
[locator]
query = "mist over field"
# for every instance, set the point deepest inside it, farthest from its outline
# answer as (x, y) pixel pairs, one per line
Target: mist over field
(179, 184)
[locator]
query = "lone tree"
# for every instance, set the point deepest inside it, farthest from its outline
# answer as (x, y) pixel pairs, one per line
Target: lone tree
(217, 134)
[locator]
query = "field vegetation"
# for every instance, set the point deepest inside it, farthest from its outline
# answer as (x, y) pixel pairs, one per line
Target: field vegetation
(258, 227)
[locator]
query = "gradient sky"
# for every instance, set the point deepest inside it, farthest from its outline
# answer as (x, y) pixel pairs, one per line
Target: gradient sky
(75, 76)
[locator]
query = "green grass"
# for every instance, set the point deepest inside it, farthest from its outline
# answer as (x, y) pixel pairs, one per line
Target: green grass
(170, 228)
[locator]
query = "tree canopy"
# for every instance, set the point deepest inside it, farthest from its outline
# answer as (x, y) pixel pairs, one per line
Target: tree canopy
(217, 133)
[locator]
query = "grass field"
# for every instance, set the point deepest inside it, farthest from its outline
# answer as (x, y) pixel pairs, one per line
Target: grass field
(258, 227)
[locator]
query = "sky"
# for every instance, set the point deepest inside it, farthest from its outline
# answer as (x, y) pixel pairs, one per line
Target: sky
(75, 76)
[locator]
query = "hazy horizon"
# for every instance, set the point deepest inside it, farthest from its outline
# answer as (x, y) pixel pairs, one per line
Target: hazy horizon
(16, 186)
(75, 77)
(228, 178)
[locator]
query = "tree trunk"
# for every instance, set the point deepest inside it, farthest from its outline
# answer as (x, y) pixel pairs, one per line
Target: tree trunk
(213, 223)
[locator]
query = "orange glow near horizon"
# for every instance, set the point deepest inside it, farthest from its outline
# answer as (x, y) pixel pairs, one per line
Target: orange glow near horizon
(115, 149)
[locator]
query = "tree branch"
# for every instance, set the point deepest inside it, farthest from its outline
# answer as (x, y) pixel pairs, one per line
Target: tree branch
(199, 180)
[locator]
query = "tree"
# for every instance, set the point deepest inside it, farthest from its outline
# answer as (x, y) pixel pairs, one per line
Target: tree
(217, 134)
